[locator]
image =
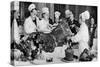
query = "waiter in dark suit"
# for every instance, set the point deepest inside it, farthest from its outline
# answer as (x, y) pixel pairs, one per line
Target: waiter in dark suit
(73, 24)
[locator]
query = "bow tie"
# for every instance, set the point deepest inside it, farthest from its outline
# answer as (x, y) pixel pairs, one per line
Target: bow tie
(34, 21)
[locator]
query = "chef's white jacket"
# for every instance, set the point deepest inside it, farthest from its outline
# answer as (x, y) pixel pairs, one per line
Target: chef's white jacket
(82, 37)
(29, 25)
(43, 26)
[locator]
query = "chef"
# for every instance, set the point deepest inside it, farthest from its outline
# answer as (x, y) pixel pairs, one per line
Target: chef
(82, 35)
(30, 24)
(57, 17)
(44, 25)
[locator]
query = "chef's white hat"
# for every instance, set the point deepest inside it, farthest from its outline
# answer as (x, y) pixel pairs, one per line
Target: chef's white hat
(68, 12)
(31, 6)
(57, 13)
(45, 10)
(85, 15)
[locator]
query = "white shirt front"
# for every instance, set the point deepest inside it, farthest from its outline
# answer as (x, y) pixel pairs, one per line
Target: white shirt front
(29, 25)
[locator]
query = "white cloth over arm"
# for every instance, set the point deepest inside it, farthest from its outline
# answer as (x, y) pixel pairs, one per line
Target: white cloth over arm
(16, 32)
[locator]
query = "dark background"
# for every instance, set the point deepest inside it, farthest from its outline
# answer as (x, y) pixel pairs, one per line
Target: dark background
(76, 9)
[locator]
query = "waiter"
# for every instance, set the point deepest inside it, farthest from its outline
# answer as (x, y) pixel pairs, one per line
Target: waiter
(73, 24)
(16, 27)
(92, 31)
